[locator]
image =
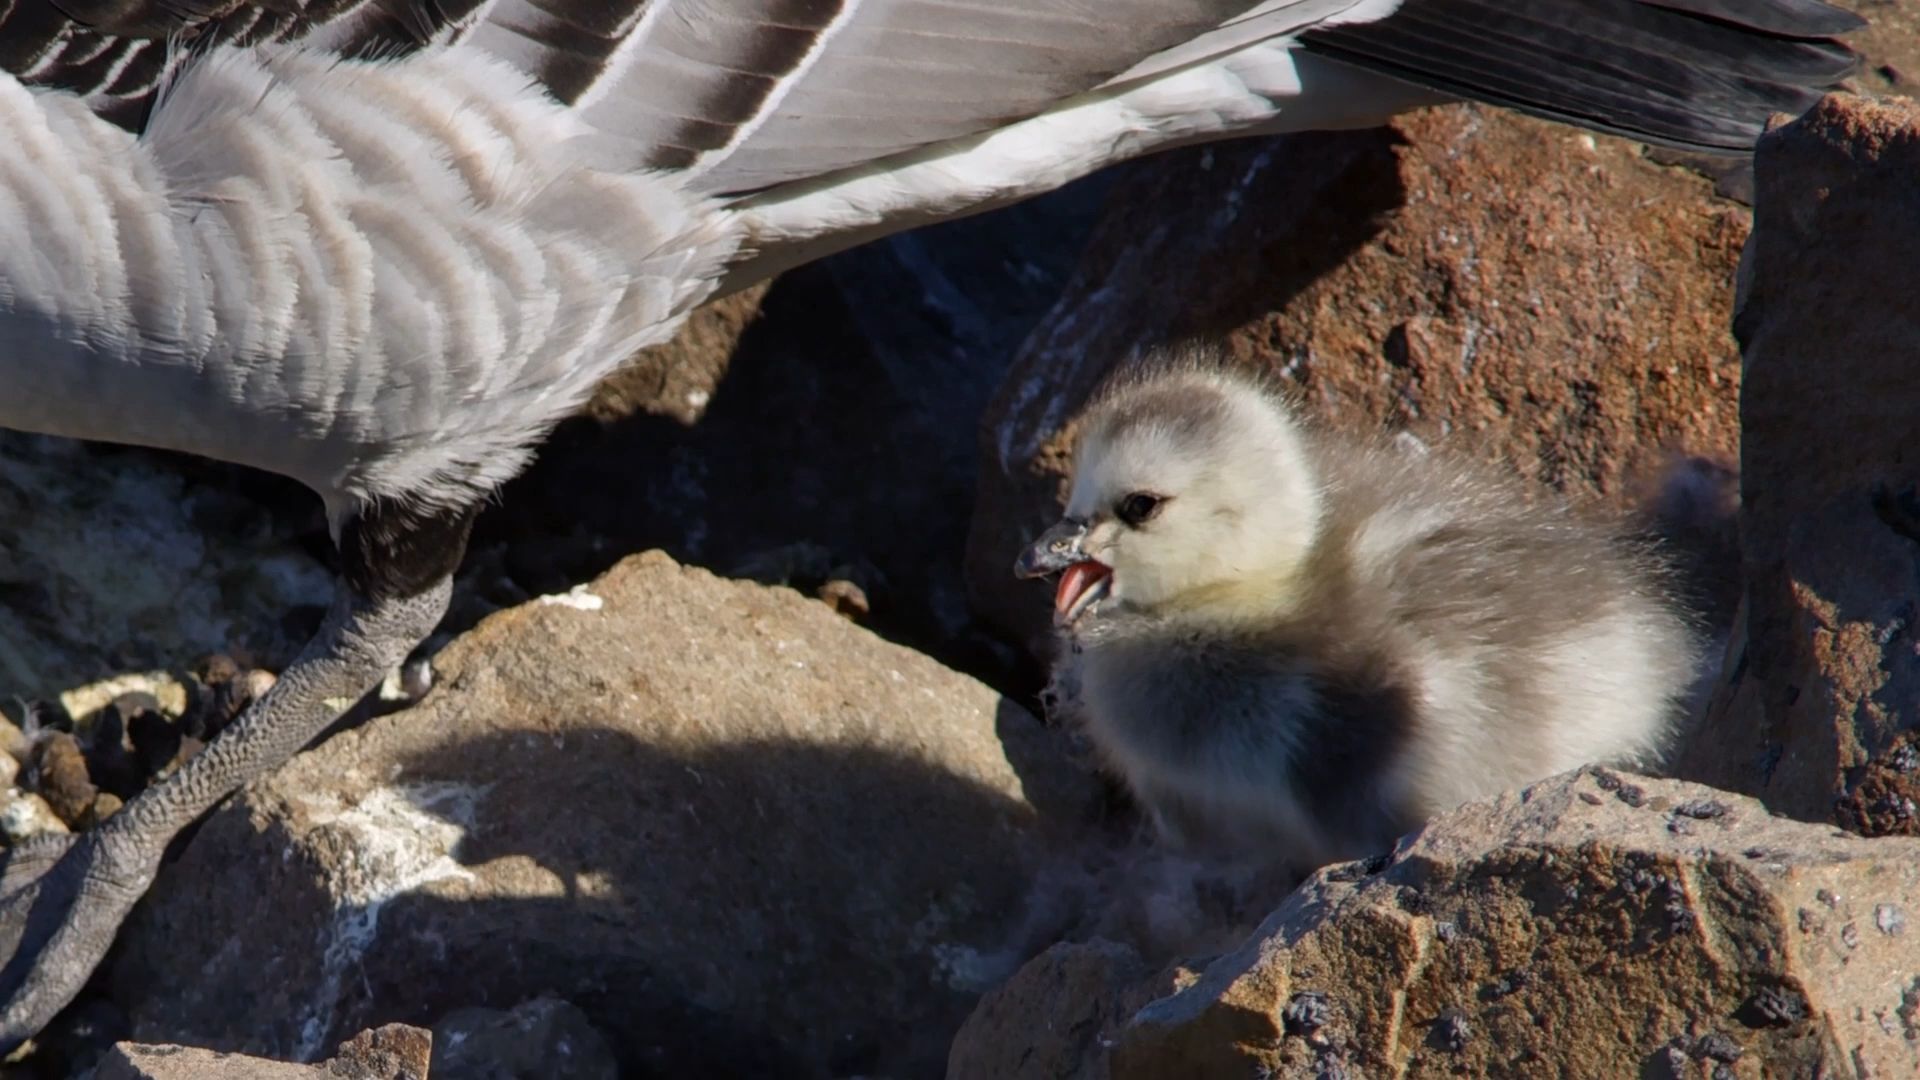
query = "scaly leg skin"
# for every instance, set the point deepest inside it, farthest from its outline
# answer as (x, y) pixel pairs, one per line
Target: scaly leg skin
(62, 899)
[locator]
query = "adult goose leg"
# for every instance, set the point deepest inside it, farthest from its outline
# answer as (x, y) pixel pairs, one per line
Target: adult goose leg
(62, 899)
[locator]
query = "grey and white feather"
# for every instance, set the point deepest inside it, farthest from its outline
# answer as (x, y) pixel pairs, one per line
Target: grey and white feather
(1298, 645)
(383, 246)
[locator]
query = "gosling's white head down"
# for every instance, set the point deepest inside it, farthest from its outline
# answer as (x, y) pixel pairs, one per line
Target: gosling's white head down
(1303, 645)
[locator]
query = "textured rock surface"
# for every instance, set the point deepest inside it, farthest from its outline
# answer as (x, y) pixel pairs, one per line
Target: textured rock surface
(1596, 925)
(393, 1052)
(542, 1039)
(1536, 295)
(1821, 697)
(743, 835)
(1059, 1015)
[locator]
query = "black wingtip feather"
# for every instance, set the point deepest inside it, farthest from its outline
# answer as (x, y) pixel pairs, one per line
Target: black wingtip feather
(1700, 75)
(1804, 19)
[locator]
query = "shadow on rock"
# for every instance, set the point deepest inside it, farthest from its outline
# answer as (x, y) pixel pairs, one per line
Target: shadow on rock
(754, 910)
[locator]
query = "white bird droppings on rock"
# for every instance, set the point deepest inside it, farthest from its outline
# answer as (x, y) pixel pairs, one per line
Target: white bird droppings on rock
(398, 838)
(577, 598)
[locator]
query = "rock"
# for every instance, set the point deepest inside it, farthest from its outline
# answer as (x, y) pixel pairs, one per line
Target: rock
(24, 815)
(135, 1061)
(740, 833)
(1525, 292)
(1561, 930)
(1818, 695)
(14, 742)
(60, 777)
(389, 1052)
(1059, 1016)
(393, 1052)
(542, 1039)
(160, 691)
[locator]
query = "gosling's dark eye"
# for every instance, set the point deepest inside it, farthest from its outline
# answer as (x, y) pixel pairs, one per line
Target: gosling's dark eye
(1139, 508)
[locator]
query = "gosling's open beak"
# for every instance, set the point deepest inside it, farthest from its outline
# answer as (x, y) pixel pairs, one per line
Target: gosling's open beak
(1053, 551)
(1084, 581)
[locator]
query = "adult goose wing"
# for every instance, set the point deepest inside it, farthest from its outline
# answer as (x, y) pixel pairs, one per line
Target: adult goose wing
(1698, 74)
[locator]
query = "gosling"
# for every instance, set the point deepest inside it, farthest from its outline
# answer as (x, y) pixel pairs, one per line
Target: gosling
(1300, 647)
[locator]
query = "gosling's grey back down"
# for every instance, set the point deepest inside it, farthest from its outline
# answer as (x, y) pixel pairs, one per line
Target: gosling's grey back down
(382, 246)
(1301, 645)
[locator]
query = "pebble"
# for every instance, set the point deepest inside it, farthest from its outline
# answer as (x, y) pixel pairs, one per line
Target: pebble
(1717, 1046)
(845, 598)
(155, 689)
(1456, 1031)
(1701, 809)
(1888, 919)
(59, 775)
(406, 685)
(24, 815)
(1306, 1013)
(105, 805)
(13, 741)
(1774, 1006)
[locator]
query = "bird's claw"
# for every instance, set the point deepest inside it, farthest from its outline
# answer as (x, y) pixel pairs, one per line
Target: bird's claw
(62, 899)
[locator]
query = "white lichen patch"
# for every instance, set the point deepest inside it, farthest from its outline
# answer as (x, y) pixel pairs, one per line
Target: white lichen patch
(579, 598)
(392, 841)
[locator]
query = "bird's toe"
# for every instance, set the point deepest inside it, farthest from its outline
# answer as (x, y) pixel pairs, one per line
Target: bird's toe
(62, 898)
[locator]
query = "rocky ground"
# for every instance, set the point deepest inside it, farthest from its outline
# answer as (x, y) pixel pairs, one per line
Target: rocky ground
(773, 798)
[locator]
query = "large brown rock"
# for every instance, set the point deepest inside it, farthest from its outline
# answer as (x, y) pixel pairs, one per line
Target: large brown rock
(1526, 292)
(743, 835)
(1593, 925)
(1821, 696)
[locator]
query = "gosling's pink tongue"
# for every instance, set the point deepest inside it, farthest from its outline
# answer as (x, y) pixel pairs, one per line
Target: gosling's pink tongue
(1080, 585)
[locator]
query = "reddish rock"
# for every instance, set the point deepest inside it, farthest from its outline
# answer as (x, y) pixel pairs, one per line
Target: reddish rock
(1823, 673)
(1059, 1016)
(1538, 296)
(1593, 925)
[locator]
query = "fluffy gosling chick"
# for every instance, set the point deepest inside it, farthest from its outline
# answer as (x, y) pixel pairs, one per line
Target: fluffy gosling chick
(1301, 646)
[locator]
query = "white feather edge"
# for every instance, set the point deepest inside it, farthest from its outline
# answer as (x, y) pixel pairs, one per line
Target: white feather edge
(1267, 88)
